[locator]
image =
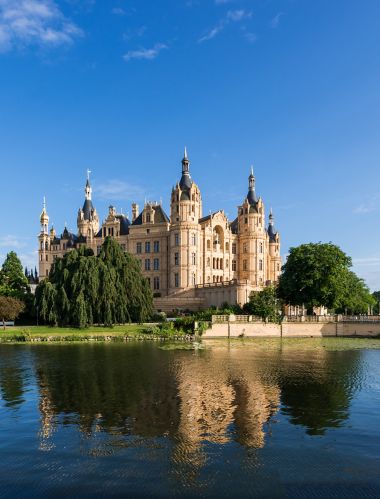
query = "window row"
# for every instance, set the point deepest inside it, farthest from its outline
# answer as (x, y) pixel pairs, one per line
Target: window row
(148, 264)
(147, 247)
(156, 282)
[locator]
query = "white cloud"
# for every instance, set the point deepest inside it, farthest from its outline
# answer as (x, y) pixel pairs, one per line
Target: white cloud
(276, 20)
(212, 33)
(12, 242)
(372, 204)
(238, 15)
(144, 53)
(368, 268)
(118, 11)
(250, 37)
(34, 22)
(231, 16)
(119, 190)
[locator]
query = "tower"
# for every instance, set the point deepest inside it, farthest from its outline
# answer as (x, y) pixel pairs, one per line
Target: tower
(252, 236)
(274, 258)
(88, 220)
(44, 243)
(185, 212)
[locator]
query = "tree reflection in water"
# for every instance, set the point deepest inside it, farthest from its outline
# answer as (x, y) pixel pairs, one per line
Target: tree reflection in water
(137, 394)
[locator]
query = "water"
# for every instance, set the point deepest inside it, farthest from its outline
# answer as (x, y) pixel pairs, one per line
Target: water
(289, 419)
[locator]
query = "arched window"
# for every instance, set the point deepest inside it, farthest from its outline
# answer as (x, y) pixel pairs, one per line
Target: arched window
(208, 244)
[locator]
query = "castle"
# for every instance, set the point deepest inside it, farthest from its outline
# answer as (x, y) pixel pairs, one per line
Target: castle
(191, 261)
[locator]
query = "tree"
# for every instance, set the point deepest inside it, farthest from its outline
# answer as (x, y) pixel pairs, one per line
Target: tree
(357, 298)
(10, 308)
(264, 304)
(13, 281)
(376, 308)
(83, 289)
(314, 275)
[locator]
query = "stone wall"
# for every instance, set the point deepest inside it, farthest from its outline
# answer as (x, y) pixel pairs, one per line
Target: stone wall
(292, 329)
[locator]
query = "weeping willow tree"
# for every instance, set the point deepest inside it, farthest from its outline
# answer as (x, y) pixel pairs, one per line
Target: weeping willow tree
(84, 289)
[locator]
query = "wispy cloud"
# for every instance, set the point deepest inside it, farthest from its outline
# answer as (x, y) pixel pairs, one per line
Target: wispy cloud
(276, 20)
(369, 206)
(250, 37)
(119, 190)
(34, 22)
(231, 16)
(238, 15)
(118, 11)
(212, 33)
(11, 241)
(144, 53)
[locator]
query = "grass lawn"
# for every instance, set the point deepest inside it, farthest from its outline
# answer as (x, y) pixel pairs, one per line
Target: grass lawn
(46, 333)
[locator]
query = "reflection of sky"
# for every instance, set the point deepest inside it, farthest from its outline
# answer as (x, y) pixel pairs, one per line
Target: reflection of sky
(198, 421)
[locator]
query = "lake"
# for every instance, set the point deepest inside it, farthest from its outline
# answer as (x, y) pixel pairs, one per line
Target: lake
(244, 418)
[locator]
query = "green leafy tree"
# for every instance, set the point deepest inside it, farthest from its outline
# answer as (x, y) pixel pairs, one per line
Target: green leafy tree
(83, 289)
(13, 281)
(314, 275)
(357, 298)
(264, 304)
(10, 308)
(376, 296)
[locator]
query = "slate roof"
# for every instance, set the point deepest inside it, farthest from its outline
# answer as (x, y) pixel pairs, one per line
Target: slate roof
(159, 216)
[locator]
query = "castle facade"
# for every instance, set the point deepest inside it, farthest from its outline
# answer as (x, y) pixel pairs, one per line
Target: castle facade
(190, 260)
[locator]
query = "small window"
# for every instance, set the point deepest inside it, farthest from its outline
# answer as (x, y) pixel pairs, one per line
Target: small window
(245, 248)
(156, 283)
(147, 264)
(156, 246)
(193, 258)
(176, 258)
(208, 244)
(234, 248)
(194, 280)
(138, 248)
(148, 217)
(233, 265)
(176, 280)
(227, 246)
(176, 239)
(261, 247)
(260, 265)
(193, 239)
(147, 247)
(245, 265)
(156, 264)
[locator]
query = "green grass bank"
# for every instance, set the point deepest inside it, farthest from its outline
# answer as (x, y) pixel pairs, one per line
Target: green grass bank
(34, 334)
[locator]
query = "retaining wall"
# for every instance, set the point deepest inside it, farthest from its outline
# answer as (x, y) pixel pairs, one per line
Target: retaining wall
(292, 329)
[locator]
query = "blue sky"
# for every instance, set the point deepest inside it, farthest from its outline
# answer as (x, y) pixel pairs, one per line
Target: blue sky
(120, 87)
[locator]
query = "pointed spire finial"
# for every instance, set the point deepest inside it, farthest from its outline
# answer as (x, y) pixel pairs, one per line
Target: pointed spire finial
(44, 203)
(252, 170)
(185, 153)
(88, 174)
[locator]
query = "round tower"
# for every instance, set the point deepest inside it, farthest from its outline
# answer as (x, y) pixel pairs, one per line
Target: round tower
(252, 237)
(274, 258)
(44, 244)
(185, 240)
(88, 220)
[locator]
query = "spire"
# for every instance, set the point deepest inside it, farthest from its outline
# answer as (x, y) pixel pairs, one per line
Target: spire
(44, 218)
(185, 182)
(271, 218)
(87, 189)
(271, 229)
(251, 196)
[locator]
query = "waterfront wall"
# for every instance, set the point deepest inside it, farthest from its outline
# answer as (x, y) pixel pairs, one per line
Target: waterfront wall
(252, 328)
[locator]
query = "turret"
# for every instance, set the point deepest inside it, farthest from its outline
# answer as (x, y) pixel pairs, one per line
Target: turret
(44, 243)
(44, 219)
(88, 220)
(185, 237)
(274, 262)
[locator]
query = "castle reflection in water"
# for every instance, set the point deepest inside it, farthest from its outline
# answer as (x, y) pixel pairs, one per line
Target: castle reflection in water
(225, 393)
